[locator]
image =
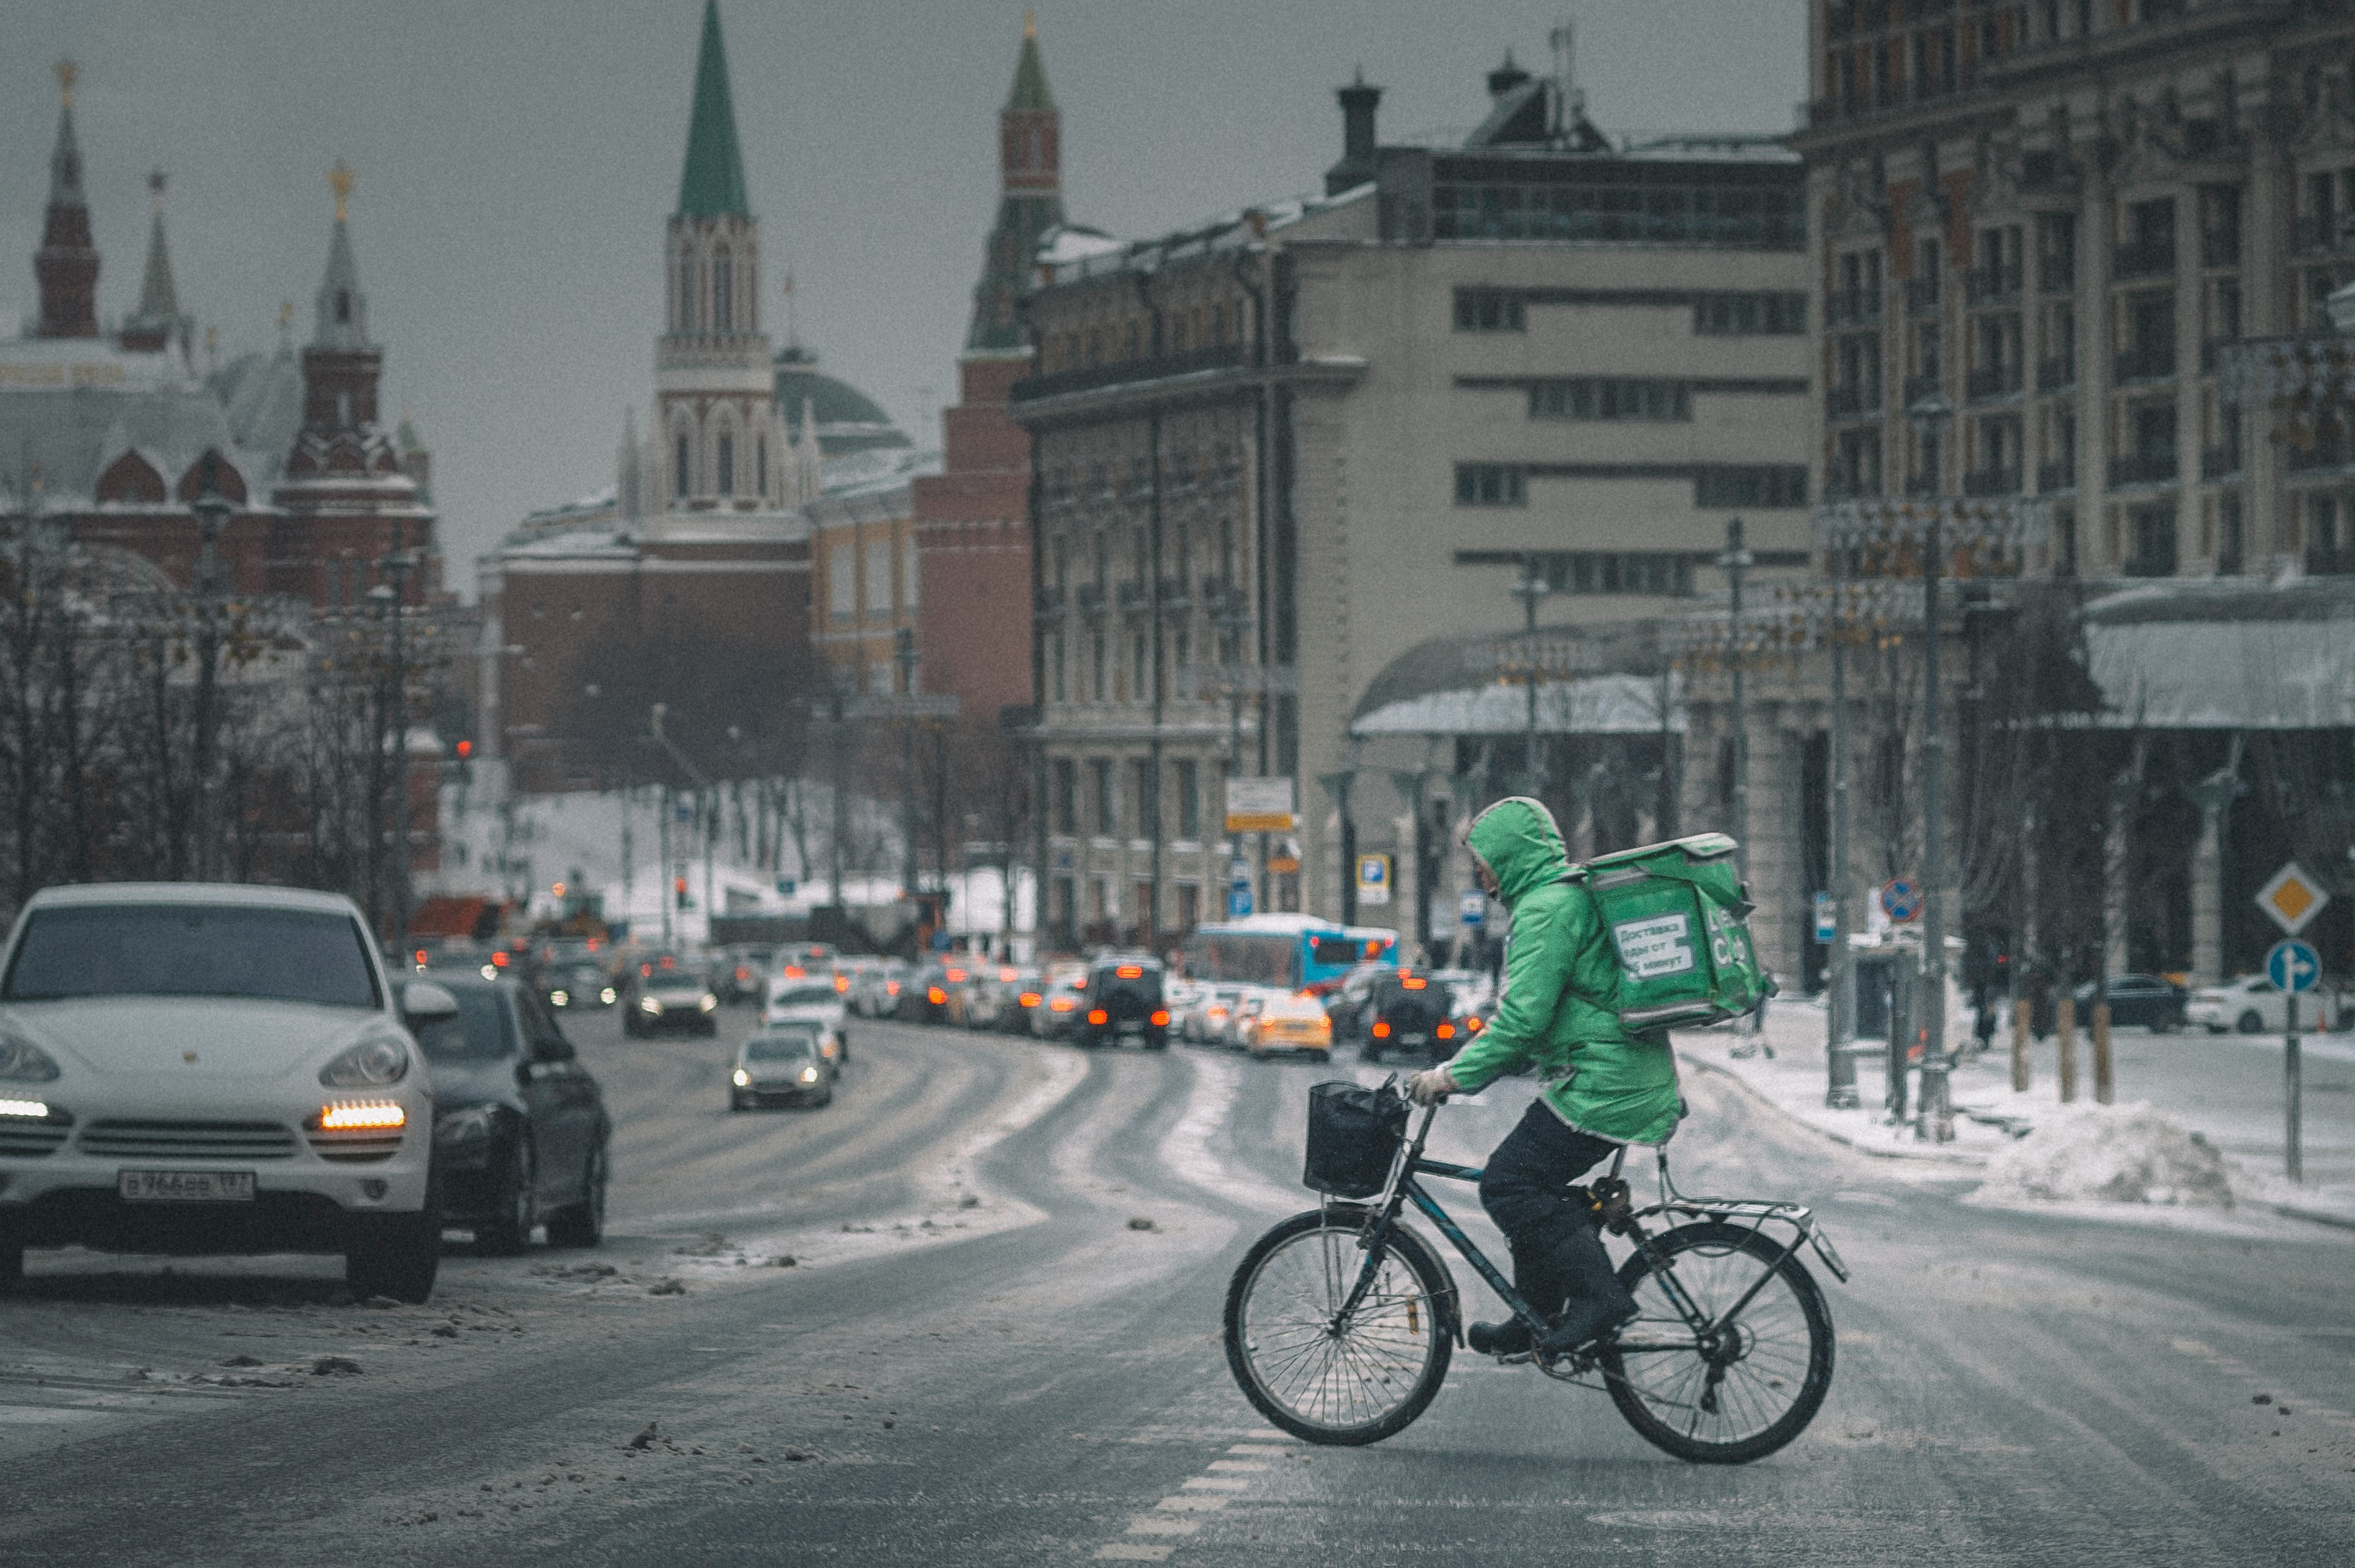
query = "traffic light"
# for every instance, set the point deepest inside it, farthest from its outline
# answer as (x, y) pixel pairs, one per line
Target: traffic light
(679, 891)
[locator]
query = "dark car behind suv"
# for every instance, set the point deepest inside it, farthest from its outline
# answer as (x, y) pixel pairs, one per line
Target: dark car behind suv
(1410, 1015)
(519, 1125)
(1123, 1001)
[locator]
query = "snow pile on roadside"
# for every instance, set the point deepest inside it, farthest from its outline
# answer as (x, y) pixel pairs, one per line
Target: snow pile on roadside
(2109, 1154)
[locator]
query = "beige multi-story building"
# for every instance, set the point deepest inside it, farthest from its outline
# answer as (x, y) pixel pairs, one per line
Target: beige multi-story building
(2052, 216)
(1278, 452)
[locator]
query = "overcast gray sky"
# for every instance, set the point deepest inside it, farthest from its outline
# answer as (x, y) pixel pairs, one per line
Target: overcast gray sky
(516, 158)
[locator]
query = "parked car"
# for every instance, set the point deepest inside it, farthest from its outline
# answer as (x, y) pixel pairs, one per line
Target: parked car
(789, 1064)
(1124, 1002)
(1291, 1021)
(519, 1127)
(808, 1002)
(667, 992)
(193, 1067)
(2150, 1001)
(2250, 1005)
(1410, 1015)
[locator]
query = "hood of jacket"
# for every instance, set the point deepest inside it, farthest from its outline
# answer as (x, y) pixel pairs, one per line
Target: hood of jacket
(1518, 840)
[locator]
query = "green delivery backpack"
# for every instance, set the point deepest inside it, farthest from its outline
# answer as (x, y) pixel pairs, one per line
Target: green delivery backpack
(1679, 917)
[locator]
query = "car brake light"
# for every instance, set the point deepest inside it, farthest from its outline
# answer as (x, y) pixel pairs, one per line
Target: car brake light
(956, 977)
(842, 982)
(363, 1116)
(936, 996)
(1161, 1021)
(421, 958)
(795, 972)
(669, 963)
(891, 987)
(1131, 970)
(1008, 976)
(500, 959)
(1446, 1031)
(1061, 1005)
(1414, 985)
(1099, 1016)
(646, 969)
(1029, 999)
(1381, 1031)
(1473, 1025)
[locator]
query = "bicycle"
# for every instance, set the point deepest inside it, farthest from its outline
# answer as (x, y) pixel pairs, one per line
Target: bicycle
(1728, 1358)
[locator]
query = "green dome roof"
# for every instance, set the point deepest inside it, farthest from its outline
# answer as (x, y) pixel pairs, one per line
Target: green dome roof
(847, 419)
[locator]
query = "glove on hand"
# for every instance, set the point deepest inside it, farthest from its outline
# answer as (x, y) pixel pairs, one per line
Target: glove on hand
(1431, 1087)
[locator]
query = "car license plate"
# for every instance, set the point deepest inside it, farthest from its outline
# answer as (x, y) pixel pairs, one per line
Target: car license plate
(1414, 1039)
(185, 1185)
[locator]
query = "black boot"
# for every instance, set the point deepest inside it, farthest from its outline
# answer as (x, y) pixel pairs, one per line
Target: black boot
(1510, 1338)
(1598, 1302)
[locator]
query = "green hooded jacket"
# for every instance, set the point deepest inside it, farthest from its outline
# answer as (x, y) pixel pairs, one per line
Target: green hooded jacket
(1559, 1008)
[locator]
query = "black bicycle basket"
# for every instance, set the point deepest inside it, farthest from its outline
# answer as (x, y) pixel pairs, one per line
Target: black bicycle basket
(1354, 1134)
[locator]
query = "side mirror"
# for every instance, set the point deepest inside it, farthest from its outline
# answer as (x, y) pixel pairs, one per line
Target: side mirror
(424, 1002)
(553, 1048)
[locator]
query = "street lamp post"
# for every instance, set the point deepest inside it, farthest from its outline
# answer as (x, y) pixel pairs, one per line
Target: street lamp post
(702, 792)
(903, 654)
(1936, 1099)
(1737, 561)
(1529, 587)
(1840, 1091)
(212, 509)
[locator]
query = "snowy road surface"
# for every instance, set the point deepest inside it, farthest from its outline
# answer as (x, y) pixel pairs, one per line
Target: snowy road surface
(977, 1358)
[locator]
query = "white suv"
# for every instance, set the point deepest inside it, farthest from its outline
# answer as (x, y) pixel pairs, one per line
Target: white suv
(189, 1068)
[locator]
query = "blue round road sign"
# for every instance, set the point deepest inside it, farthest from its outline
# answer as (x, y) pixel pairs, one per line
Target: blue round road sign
(2293, 966)
(1901, 899)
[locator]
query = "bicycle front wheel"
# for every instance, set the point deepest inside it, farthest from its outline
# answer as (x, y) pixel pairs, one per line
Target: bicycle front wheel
(1313, 1373)
(1743, 1387)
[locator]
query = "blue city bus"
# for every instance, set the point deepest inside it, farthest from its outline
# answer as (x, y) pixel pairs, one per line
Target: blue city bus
(1297, 952)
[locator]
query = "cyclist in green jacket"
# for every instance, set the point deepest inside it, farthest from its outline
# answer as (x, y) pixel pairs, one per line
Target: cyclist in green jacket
(1601, 1087)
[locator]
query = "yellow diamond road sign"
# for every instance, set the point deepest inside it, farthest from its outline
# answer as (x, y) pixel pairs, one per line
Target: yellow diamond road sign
(2291, 898)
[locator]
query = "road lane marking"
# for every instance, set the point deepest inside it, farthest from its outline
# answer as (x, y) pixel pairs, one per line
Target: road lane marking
(1146, 1524)
(1133, 1552)
(1259, 1448)
(1216, 1484)
(1186, 1150)
(1237, 1464)
(1191, 1503)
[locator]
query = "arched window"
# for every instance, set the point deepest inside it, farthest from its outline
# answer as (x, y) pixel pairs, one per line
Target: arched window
(687, 291)
(1038, 148)
(723, 302)
(679, 485)
(344, 306)
(726, 453)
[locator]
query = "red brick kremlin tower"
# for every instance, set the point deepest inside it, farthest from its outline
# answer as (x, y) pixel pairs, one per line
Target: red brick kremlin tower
(972, 520)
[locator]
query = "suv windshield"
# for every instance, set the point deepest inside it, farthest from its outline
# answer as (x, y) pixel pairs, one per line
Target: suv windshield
(479, 1032)
(193, 950)
(804, 996)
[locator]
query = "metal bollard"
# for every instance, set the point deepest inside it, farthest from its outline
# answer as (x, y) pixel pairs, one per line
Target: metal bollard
(2065, 1031)
(2102, 1089)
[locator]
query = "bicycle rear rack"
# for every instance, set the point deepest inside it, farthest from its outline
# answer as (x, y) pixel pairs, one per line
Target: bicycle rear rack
(1758, 1212)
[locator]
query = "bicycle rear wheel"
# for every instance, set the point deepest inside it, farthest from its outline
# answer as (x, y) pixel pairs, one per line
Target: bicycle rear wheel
(1742, 1391)
(1338, 1382)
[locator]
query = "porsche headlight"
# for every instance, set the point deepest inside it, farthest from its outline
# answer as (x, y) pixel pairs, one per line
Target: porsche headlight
(22, 1061)
(469, 1125)
(369, 1063)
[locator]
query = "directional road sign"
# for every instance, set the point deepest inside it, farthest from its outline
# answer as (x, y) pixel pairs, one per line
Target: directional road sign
(1901, 899)
(1373, 879)
(1826, 919)
(1473, 907)
(2292, 967)
(2291, 898)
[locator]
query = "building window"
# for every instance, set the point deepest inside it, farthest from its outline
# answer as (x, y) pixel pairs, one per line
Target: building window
(1756, 315)
(1622, 201)
(1103, 815)
(908, 563)
(761, 462)
(1662, 573)
(1067, 795)
(1491, 484)
(1189, 906)
(1490, 310)
(2231, 554)
(1765, 487)
(1142, 802)
(2152, 530)
(842, 583)
(1190, 807)
(723, 304)
(727, 465)
(679, 485)
(1596, 397)
(1097, 684)
(686, 292)
(879, 579)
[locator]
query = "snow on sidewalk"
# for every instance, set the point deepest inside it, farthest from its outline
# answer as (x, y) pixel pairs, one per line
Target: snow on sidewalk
(2227, 1088)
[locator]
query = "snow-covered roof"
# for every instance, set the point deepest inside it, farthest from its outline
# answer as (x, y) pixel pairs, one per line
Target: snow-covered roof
(73, 405)
(2231, 654)
(1070, 255)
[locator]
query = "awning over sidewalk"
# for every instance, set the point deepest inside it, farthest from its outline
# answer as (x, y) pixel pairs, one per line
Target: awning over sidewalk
(2225, 655)
(1606, 681)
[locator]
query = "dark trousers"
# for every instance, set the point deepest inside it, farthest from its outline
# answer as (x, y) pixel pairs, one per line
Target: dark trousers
(1556, 1252)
